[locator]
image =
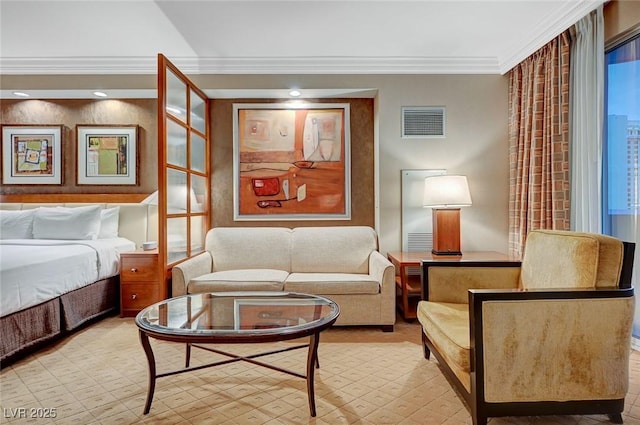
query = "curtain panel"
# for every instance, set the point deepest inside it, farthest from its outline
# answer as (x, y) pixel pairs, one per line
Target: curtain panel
(539, 187)
(587, 117)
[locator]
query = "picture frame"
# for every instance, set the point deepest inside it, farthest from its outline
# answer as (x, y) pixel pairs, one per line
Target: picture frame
(32, 154)
(291, 162)
(107, 155)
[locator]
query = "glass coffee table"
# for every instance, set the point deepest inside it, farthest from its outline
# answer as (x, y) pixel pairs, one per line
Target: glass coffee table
(237, 318)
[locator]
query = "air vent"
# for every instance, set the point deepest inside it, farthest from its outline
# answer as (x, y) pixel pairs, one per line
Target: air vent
(422, 122)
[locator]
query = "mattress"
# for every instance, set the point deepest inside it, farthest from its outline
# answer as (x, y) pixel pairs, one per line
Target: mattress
(33, 271)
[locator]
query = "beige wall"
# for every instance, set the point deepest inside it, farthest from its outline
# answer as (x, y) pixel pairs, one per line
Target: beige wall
(476, 144)
(72, 112)
(620, 17)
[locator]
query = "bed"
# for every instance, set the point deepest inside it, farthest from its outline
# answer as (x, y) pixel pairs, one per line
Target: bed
(59, 267)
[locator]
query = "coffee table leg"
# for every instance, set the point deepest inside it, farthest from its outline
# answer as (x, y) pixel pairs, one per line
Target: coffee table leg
(144, 339)
(312, 361)
(187, 356)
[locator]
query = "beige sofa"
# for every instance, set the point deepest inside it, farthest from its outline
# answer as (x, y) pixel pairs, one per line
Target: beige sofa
(550, 337)
(341, 263)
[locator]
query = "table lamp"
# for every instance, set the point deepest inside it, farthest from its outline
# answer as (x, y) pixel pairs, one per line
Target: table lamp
(446, 194)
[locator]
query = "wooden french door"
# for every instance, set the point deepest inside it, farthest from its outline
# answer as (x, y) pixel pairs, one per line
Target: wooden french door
(183, 166)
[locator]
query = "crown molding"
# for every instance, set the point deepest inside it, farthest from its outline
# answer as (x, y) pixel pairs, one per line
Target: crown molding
(570, 13)
(252, 65)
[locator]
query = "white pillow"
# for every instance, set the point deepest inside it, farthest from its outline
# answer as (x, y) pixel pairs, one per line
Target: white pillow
(16, 224)
(67, 223)
(109, 223)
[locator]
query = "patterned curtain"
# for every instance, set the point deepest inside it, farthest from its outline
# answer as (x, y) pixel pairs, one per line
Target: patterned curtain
(539, 189)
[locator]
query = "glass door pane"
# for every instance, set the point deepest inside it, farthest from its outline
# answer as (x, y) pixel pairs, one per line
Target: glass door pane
(183, 116)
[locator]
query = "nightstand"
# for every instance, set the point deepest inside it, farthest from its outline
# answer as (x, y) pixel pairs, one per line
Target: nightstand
(139, 281)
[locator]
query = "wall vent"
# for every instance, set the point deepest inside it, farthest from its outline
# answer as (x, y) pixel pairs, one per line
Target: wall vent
(423, 122)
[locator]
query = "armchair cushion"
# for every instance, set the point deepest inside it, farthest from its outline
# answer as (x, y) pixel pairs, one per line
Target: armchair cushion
(588, 260)
(447, 325)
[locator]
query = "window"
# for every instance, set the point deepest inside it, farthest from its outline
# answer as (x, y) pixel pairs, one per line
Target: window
(621, 172)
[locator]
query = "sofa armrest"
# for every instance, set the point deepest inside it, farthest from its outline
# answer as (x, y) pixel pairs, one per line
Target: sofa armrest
(451, 284)
(580, 338)
(382, 270)
(181, 274)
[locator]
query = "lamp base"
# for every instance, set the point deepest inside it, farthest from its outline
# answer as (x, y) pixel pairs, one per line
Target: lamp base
(446, 231)
(434, 252)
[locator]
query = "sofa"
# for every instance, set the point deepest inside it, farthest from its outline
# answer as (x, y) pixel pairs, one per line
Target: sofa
(341, 263)
(549, 337)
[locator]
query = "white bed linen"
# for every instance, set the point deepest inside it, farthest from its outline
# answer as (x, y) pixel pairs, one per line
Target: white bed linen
(36, 270)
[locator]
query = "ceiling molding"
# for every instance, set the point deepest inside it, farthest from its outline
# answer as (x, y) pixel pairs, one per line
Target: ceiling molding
(570, 13)
(252, 65)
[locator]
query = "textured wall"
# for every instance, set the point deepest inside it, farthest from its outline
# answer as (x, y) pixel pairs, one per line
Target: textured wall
(362, 166)
(72, 112)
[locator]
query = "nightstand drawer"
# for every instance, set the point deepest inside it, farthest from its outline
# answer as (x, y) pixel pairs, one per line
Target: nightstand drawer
(136, 296)
(139, 268)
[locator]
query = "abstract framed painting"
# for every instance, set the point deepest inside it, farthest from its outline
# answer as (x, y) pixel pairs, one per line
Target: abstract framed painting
(32, 154)
(291, 163)
(107, 155)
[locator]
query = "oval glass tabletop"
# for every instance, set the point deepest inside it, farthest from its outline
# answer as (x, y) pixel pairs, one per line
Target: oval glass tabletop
(238, 313)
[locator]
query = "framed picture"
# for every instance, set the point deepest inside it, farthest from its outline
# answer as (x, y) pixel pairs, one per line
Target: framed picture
(31, 154)
(107, 155)
(291, 163)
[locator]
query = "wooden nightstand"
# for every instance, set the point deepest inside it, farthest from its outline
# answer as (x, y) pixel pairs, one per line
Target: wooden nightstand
(140, 285)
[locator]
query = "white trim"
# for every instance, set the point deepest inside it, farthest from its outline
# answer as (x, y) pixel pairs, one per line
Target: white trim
(252, 65)
(571, 12)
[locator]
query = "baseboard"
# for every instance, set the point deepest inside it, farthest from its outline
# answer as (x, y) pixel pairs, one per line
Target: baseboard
(635, 343)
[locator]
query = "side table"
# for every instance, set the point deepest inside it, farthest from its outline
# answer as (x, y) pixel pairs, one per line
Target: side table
(408, 287)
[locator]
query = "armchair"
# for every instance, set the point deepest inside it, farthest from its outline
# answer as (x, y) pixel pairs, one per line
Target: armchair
(549, 337)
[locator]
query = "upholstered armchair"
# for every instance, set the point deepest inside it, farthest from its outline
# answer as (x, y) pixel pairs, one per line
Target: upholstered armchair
(549, 337)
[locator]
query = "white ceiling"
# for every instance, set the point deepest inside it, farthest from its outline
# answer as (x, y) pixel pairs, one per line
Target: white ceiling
(123, 37)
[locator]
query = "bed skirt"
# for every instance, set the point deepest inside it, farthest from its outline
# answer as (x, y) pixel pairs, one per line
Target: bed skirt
(28, 329)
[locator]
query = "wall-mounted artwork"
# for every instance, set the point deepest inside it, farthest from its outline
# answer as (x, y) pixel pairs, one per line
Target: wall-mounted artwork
(291, 163)
(107, 155)
(31, 154)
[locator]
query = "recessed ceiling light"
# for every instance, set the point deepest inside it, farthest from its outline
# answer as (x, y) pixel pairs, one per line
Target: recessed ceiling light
(20, 94)
(294, 93)
(100, 94)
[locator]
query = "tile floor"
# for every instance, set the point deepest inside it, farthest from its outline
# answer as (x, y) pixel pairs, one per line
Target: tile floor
(99, 376)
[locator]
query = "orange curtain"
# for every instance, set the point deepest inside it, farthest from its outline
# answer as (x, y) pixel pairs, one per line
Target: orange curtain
(539, 142)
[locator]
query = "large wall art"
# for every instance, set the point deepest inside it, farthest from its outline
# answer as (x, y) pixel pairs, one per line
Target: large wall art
(291, 163)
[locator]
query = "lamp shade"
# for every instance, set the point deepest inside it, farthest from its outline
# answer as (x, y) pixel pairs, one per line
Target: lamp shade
(446, 192)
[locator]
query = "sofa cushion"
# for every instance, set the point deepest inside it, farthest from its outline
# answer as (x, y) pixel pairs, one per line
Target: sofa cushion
(541, 268)
(234, 248)
(331, 283)
(340, 249)
(239, 280)
(447, 326)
